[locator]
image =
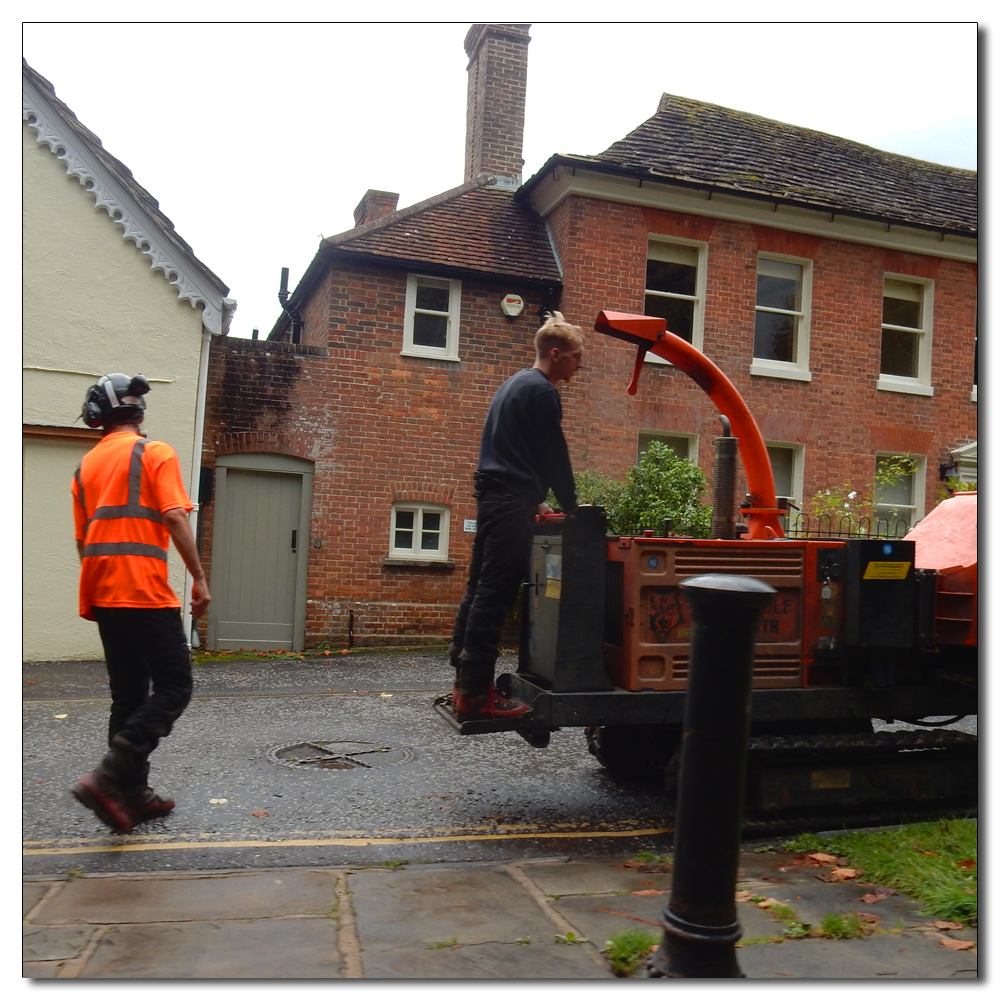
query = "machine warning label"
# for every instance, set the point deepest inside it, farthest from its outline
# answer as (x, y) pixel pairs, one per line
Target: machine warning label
(553, 589)
(886, 571)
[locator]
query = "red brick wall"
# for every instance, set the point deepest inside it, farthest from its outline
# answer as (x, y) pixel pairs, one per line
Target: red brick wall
(840, 416)
(379, 427)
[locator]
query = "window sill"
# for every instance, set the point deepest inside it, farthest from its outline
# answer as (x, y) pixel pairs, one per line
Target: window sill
(396, 562)
(895, 383)
(775, 369)
(415, 352)
(974, 395)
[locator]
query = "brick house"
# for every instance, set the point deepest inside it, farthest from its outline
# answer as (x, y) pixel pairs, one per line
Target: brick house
(833, 283)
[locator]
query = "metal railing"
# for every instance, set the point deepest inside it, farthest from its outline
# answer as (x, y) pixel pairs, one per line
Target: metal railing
(845, 526)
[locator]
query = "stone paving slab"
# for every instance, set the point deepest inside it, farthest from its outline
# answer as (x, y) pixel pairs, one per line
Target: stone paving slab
(589, 914)
(880, 956)
(49, 944)
(31, 893)
(218, 897)
(583, 877)
(486, 961)
(402, 909)
(284, 948)
(40, 970)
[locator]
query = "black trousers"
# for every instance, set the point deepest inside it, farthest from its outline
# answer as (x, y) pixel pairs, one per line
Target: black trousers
(501, 555)
(149, 672)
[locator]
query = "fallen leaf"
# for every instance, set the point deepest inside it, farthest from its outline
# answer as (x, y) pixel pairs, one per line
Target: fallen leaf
(260, 813)
(648, 892)
(744, 896)
(635, 864)
(846, 873)
(954, 945)
(948, 925)
(826, 859)
(67, 716)
(770, 901)
(344, 652)
(218, 802)
(877, 896)
(966, 866)
(825, 877)
(328, 652)
(868, 918)
(31, 682)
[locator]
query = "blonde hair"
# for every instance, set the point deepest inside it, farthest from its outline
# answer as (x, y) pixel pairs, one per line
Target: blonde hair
(556, 332)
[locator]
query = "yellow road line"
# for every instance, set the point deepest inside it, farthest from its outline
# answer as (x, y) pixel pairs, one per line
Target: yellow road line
(341, 841)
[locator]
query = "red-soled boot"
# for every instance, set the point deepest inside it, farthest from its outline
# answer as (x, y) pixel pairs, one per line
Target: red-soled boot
(490, 705)
(102, 796)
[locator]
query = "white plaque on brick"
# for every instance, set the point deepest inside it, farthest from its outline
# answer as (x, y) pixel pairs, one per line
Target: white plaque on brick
(469, 526)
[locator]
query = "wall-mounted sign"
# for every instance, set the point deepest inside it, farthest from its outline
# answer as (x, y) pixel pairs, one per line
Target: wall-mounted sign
(512, 304)
(469, 525)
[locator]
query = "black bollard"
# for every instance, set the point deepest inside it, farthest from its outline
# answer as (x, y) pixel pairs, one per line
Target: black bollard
(700, 925)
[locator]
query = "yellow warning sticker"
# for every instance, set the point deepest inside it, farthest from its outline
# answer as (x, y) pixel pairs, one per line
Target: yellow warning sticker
(887, 570)
(553, 589)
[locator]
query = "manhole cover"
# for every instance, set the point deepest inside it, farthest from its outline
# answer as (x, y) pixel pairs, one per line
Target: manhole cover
(339, 755)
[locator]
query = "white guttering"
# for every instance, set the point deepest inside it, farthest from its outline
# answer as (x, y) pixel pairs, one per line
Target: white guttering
(228, 308)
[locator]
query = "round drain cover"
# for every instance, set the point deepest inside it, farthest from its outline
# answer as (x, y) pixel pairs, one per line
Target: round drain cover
(339, 755)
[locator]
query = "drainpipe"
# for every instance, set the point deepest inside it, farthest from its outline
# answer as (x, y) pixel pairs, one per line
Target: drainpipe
(228, 308)
(290, 311)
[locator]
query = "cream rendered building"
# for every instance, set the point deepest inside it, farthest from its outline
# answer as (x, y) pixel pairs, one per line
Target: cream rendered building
(108, 286)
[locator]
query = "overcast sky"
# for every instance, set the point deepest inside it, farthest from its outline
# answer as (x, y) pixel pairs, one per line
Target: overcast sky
(259, 139)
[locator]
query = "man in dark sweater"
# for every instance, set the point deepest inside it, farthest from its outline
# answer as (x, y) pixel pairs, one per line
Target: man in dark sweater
(521, 456)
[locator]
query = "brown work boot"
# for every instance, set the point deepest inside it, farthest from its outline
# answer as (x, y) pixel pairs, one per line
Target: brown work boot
(102, 796)
(490, 705)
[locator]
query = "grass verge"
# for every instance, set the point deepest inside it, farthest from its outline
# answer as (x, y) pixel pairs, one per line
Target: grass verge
(933, 862)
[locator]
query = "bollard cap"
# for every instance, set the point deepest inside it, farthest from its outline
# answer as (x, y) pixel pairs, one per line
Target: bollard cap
(729, 583)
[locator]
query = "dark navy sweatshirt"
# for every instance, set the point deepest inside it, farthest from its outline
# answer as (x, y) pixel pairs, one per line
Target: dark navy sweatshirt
(523, 449)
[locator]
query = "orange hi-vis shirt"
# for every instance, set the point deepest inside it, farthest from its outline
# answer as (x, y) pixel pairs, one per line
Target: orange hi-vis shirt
(121, 491)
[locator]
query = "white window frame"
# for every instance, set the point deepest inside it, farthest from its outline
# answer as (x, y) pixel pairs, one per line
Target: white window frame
(450, 351)
(698, 317)
(657, 434)
(921, 385)
(798, 479)
(919, 488)
(798, 369)
(416, 554)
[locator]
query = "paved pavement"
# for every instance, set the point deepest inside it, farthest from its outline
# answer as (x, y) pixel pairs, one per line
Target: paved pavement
(474, 920)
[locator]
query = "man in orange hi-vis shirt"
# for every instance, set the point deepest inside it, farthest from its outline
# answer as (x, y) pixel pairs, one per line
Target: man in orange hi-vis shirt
(128, 502)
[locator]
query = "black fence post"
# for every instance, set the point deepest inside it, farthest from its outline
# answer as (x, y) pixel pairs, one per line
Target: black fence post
(700, 924)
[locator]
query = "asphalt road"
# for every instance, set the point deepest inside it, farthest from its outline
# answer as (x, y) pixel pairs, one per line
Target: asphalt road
(428, 794)
(451, 797)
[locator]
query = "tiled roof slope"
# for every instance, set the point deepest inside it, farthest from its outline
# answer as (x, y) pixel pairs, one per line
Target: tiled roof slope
(473, 227)
(119, 171)
(695, 142)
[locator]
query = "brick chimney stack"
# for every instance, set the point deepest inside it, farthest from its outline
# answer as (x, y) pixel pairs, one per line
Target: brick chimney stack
(494, 124)
(374, 205)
